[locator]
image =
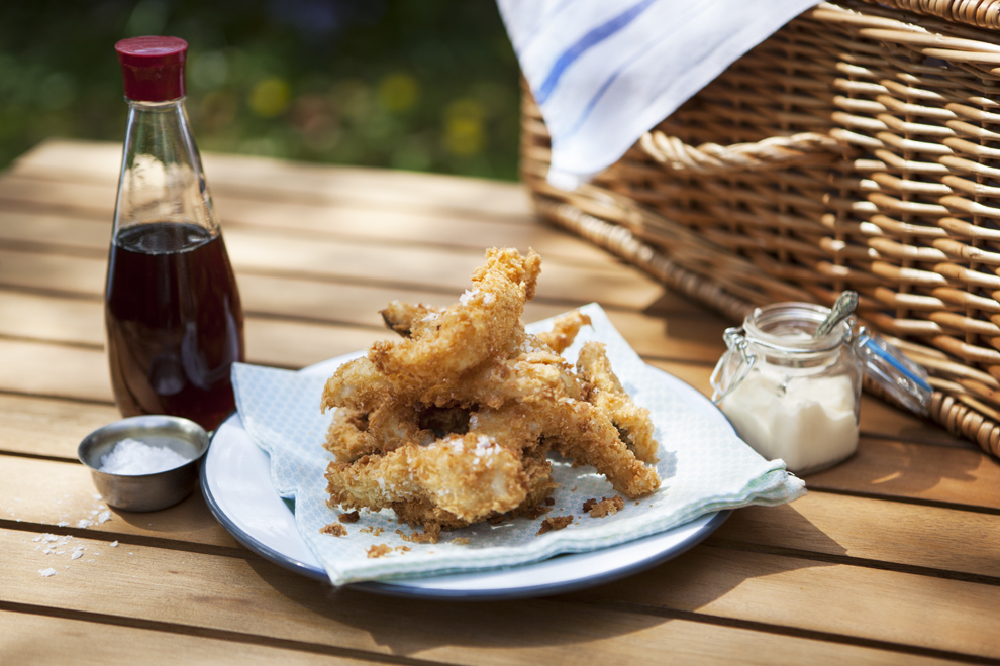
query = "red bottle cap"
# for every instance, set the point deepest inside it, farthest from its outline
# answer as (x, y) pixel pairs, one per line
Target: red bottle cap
(152, 67)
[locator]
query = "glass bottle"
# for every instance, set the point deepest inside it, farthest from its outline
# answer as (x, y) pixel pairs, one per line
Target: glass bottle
(172, 311)
(795, 396)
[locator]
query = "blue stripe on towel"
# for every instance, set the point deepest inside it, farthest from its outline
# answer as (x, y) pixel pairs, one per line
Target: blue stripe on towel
(595, 36)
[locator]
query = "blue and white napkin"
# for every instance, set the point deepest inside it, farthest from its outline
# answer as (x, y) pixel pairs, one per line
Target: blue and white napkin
(704, 466)
(605, 71)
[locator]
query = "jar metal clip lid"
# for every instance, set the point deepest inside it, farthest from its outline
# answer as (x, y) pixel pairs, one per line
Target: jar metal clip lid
(734, 342)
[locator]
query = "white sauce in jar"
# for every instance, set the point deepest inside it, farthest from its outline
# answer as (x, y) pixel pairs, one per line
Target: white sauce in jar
(807, 421)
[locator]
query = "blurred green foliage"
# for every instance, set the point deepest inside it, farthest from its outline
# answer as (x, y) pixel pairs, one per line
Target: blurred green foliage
(421, 85)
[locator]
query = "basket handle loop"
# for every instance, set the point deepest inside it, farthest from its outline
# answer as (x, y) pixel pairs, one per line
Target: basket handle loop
(775, 152)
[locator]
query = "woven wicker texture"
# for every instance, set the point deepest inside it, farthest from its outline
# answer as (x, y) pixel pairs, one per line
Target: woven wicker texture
(857, 148)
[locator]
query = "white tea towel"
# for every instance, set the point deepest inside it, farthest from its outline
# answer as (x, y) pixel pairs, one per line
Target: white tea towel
(704, 467)
(605, 71)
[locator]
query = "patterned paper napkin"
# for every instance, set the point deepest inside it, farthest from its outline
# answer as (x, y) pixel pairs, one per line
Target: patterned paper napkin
(705, 467)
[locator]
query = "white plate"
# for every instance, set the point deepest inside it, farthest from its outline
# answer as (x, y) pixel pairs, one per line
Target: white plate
(236, 483)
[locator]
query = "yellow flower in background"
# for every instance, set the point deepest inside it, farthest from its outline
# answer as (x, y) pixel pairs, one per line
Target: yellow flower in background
(464, 128)
(270, 97)
(398, 92)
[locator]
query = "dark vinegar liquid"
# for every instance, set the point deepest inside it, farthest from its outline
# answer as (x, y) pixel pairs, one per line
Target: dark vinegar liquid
(174, 322)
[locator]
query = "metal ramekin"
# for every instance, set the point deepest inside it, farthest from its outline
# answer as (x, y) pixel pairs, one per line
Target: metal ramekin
(146, 492)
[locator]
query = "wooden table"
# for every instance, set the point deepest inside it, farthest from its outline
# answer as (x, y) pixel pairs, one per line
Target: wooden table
(893, 556)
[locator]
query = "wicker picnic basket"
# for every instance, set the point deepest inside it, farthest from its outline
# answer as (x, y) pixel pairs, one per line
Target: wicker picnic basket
(857, 148)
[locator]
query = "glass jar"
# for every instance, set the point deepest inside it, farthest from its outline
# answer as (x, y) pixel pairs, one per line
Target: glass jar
(793, 396)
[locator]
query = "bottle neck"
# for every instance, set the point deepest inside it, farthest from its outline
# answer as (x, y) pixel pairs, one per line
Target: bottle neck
(162, 179)
(142, 104)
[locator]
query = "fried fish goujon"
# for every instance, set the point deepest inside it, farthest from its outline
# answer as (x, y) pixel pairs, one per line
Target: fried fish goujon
(451, 424)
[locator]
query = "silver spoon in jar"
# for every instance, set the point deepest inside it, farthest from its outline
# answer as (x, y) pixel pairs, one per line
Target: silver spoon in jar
(845, 306)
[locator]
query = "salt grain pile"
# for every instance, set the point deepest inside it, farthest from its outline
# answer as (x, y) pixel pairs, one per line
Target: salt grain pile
(130, 456)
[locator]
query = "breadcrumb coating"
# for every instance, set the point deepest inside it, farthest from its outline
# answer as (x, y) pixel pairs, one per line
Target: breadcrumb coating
(451, 424)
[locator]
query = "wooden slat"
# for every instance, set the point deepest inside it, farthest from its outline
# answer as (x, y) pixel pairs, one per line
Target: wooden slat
(395, 226)
(65, 197)
(694, 373)
(87, 235)
(907, 534)
(880, 419)
(54, 370)
(100, 159)
(80, 276)
(46, 427)
(900, 469)
(86, 642)
(808, 595)
(210, 593)
(295, 345)
(50, 493)
(260, 252)
(52, 318)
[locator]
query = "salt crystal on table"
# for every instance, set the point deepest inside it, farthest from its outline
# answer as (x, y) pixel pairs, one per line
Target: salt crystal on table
(130, 456)
(48, 572)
